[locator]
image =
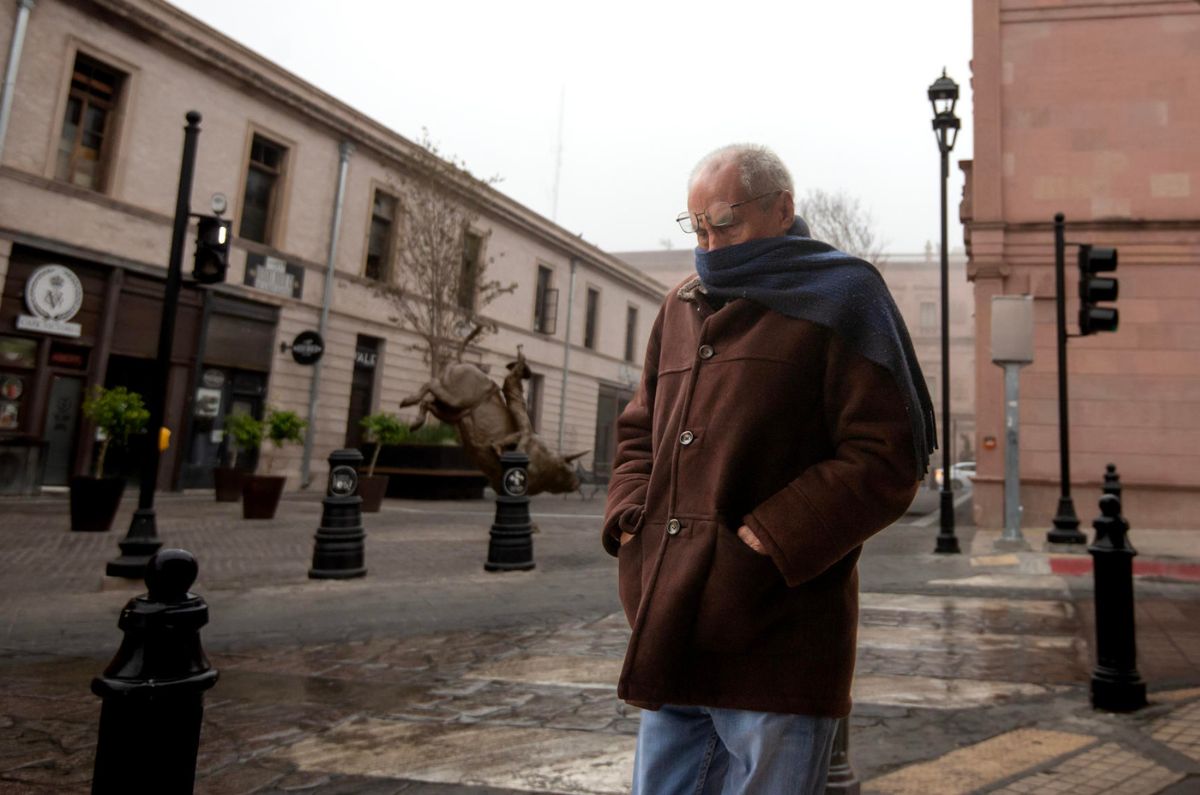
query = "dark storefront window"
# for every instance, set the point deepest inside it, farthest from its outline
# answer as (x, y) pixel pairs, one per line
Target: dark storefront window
(469, 282)
(631, 319)
(609, 405)
(362, 387)
(589, 323)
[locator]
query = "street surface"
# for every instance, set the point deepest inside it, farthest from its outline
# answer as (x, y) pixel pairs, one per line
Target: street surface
(431, 675)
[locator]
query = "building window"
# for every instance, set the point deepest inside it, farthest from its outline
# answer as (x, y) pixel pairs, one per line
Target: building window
(88, 125)
(929, 318)
(533, 401)
(362, 387)
(264, 174)
(545, 308)
(379, 239)
(630, 332)
(589, 320)
(468, 283)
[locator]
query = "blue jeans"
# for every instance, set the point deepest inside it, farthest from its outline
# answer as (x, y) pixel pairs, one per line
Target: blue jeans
(709, 751)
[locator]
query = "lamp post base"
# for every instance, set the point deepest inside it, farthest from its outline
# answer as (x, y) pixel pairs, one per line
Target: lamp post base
(137, 547)
(947, 542)
(1066, 524)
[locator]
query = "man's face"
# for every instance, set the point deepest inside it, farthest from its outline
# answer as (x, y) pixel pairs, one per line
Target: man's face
(770, 216)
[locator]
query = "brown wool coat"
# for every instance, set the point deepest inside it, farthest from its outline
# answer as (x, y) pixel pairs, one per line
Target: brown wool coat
(746, 416)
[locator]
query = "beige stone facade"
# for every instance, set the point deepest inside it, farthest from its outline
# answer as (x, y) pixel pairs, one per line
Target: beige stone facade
(1091, 109)
(167, 63)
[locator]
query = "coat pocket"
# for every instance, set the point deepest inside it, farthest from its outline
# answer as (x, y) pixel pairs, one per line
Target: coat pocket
(741, 598)
(629, 576)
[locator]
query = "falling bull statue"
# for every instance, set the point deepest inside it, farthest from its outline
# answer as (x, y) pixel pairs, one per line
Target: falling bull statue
(492, 420)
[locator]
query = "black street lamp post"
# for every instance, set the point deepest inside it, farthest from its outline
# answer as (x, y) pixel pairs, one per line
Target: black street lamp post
(142, 540)
(943, 95)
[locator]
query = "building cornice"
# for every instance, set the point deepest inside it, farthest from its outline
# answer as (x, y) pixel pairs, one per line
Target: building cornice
(237, 63)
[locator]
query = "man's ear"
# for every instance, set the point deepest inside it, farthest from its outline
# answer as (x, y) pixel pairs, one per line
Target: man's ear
(787, 209)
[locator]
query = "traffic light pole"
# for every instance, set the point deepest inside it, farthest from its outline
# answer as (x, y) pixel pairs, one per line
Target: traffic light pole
(142, 540)
(1066, 522)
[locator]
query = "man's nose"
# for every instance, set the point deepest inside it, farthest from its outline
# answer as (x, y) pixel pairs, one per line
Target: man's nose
(714, 236)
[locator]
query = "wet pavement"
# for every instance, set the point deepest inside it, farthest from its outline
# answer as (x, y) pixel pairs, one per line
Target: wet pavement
(432, 676)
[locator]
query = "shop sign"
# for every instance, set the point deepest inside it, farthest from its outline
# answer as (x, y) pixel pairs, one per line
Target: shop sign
(53, 295)
(208, 402)
(365, 358)
(213, 379)
(308, 347)
(274, 275)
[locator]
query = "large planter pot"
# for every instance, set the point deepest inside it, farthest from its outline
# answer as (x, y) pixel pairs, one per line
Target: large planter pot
(94, 503)
(260, 495)
(371, 488)
(227, 484)
(429, 472)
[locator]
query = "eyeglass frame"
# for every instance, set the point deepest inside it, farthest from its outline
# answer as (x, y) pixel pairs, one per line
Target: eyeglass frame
(686, 215)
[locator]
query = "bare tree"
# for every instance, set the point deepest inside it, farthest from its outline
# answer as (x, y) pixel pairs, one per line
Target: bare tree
(840, 220)
(441, 287)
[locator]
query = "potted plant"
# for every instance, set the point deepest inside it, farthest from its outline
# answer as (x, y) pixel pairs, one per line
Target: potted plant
(381, 430)
(433, 465)
(261, 493)
(243, 433)
(117, 414)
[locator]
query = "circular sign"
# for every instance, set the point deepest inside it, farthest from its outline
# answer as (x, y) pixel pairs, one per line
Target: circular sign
(213, 379)
(515, 481)
(343, 481)
(11, 387)
(53, 292)
(308, 347)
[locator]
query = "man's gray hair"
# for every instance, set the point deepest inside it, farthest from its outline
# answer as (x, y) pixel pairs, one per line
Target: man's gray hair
(760, 169)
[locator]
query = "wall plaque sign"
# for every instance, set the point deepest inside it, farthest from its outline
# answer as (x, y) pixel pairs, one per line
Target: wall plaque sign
(53, 294)
(274, 275)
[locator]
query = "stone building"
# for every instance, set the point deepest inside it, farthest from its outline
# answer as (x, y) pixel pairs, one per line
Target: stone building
(1091, 109)
(90, 142)
(915, 282)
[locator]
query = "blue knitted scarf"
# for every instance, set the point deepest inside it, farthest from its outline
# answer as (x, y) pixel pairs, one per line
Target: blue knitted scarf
(800, 277)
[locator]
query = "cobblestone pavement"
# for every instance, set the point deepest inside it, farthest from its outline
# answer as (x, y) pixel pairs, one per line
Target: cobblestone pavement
(431, 676)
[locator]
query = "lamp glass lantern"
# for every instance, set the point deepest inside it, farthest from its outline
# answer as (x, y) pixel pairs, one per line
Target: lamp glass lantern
(943, 96)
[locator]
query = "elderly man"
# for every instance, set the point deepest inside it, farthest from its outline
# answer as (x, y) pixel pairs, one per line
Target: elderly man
(781, 420)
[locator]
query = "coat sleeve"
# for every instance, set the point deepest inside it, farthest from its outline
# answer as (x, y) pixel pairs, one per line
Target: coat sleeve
(835, 505)
(626, 504)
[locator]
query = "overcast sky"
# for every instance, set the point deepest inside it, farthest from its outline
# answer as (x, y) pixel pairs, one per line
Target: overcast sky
(837, 88)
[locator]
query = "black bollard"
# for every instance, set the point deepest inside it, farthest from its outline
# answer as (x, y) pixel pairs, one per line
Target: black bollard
(1112, 481)
(1116, 684)
(153, 690)
(510, 544)
(339, 550)
(841, 778)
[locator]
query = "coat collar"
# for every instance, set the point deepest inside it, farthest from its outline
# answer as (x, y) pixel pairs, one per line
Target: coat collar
(691, 290)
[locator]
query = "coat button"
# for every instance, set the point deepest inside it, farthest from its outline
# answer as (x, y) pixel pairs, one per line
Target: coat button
(706, 351)
(686, 438)
(673, 527)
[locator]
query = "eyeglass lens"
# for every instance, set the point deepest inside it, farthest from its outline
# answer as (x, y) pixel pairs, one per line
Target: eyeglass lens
(718, 214)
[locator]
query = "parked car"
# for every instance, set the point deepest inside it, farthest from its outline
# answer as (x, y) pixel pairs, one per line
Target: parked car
(961, 474)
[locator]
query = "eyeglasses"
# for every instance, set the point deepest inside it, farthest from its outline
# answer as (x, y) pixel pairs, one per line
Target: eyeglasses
(718, 214)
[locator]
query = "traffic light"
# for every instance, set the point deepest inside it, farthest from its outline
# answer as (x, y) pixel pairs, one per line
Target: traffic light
(1092, 289)
(212, 249)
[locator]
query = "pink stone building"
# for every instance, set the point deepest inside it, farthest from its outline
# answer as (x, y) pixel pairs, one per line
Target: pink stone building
(1091, 108)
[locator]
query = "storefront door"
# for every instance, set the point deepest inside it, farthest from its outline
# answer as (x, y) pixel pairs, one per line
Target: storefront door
(62, 427)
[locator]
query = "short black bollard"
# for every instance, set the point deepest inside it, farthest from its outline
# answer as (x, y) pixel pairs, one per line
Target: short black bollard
(510, 544)
(1112, 481)
(841, 778)
(339, 550)
(1116, 684)
(153, 690)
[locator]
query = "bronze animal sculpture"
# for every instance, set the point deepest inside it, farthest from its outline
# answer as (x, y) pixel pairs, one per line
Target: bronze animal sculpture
(491, 420)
